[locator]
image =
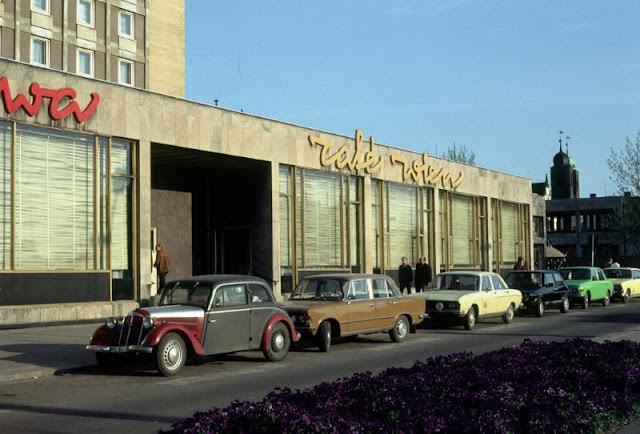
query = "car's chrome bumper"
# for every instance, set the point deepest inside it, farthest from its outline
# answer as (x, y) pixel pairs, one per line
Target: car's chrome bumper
(119, 349)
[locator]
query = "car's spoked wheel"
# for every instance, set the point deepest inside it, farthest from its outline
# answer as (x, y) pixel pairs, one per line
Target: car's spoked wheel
(470, 319)
(279, 343)
(324, 336)
(508, 315)
(400, 330)
(565, 305)
(171, 354)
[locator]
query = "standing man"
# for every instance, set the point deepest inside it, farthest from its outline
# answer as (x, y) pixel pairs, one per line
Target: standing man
(423, 274)
(405, 275)
(162, 265)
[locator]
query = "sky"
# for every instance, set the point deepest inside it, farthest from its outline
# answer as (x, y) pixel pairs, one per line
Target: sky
(499, 78)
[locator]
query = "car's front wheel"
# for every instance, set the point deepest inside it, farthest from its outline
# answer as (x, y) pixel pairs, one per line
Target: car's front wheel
(626, 297)
(171, 354)
(566, 305)
(539, 307)
(508, 315)
(605, 300)
(324, 336)
(585, 301)
(470, 319)
(400, 330)
(279, 343)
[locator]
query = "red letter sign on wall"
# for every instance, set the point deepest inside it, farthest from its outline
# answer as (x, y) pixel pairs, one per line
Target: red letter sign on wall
(57, 109)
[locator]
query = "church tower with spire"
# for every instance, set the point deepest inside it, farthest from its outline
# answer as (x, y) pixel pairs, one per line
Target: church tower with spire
(564, 175)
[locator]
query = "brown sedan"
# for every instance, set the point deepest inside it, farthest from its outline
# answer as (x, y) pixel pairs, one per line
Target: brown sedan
(338, 305)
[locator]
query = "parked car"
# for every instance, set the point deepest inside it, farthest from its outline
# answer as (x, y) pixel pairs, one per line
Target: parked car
(328, 306)
(587, 284)
(200, 315)
(541, 289)
(467, 296)
(626, 282)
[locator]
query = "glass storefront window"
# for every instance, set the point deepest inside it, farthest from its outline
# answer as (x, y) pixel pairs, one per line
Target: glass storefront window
(54, 200)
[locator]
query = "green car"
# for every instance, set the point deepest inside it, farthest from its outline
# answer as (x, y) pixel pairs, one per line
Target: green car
(587, 284)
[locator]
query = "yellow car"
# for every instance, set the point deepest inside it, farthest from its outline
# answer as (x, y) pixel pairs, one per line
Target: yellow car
(467, 296)
(626, 282)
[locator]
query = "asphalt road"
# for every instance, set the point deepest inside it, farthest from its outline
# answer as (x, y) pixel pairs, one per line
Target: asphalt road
(87, 400)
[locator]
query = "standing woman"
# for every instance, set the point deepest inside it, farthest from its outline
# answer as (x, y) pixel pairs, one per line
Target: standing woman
(423, 274)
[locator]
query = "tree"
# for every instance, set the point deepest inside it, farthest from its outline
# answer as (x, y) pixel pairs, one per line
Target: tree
(624, 170)
(624, 166)
(460, 154)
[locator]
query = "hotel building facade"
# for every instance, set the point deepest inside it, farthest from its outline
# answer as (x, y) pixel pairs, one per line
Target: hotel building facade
(95, 170)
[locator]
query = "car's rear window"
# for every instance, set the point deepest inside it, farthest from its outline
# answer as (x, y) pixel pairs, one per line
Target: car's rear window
(319, 288)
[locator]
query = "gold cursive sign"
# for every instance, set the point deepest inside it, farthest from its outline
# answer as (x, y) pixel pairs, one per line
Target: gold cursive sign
(430, 173)
(369, 161)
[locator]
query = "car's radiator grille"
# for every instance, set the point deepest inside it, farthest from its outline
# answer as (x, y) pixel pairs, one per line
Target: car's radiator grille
(132, 331)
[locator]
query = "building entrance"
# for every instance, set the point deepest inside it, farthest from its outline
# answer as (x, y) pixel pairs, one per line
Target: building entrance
(215, 212)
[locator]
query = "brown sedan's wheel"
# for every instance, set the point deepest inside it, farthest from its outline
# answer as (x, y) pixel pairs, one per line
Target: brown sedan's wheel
(400, 330)
(279, 343)
(171, 354)
(324, 336)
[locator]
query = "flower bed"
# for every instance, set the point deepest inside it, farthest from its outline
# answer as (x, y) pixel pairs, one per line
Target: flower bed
(543, 387)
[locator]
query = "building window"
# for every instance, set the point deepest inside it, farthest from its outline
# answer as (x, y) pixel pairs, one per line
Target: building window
(125, 72)
(41, 6)
(125, 27)
(64, 215)
(463, 229)
(511, 233)
(40, 52)
(320, 222)
(84, 63)
(401, 222)
(86, 13)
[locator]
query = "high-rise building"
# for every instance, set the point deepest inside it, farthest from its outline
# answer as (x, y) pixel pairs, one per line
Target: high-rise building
(138, 43)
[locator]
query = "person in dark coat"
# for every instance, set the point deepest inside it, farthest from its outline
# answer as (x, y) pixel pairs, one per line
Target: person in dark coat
(423, 274)
(520, 265)
(405, 275)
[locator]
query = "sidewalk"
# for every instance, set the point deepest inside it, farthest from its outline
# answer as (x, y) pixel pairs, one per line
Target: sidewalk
(41, 351)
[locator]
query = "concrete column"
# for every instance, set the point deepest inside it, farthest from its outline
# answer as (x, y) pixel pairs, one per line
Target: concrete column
(145, 267)
(368, 244)
(275, 229)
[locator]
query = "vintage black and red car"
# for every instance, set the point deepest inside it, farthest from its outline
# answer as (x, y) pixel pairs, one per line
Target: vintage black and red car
(198, 316)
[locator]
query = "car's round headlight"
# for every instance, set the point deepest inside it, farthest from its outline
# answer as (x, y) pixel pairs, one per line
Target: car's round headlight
(147, 322)
(111, 323)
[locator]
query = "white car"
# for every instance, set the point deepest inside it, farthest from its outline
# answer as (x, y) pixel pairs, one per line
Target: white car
(467, 296)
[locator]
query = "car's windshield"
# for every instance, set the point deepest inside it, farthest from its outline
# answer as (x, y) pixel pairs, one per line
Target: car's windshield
(576, 273)
(189, 293)
(462, 282)
(524, 280)
(617, 273)
(319, 289)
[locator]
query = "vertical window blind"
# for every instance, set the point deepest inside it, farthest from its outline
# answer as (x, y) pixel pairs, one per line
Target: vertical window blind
(462, 230)
(509, 219)
(121, 199)
(402, 211)
(6, 138)
(54, 200)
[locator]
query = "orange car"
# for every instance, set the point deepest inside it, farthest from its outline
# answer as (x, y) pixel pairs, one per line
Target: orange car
(337, 305)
